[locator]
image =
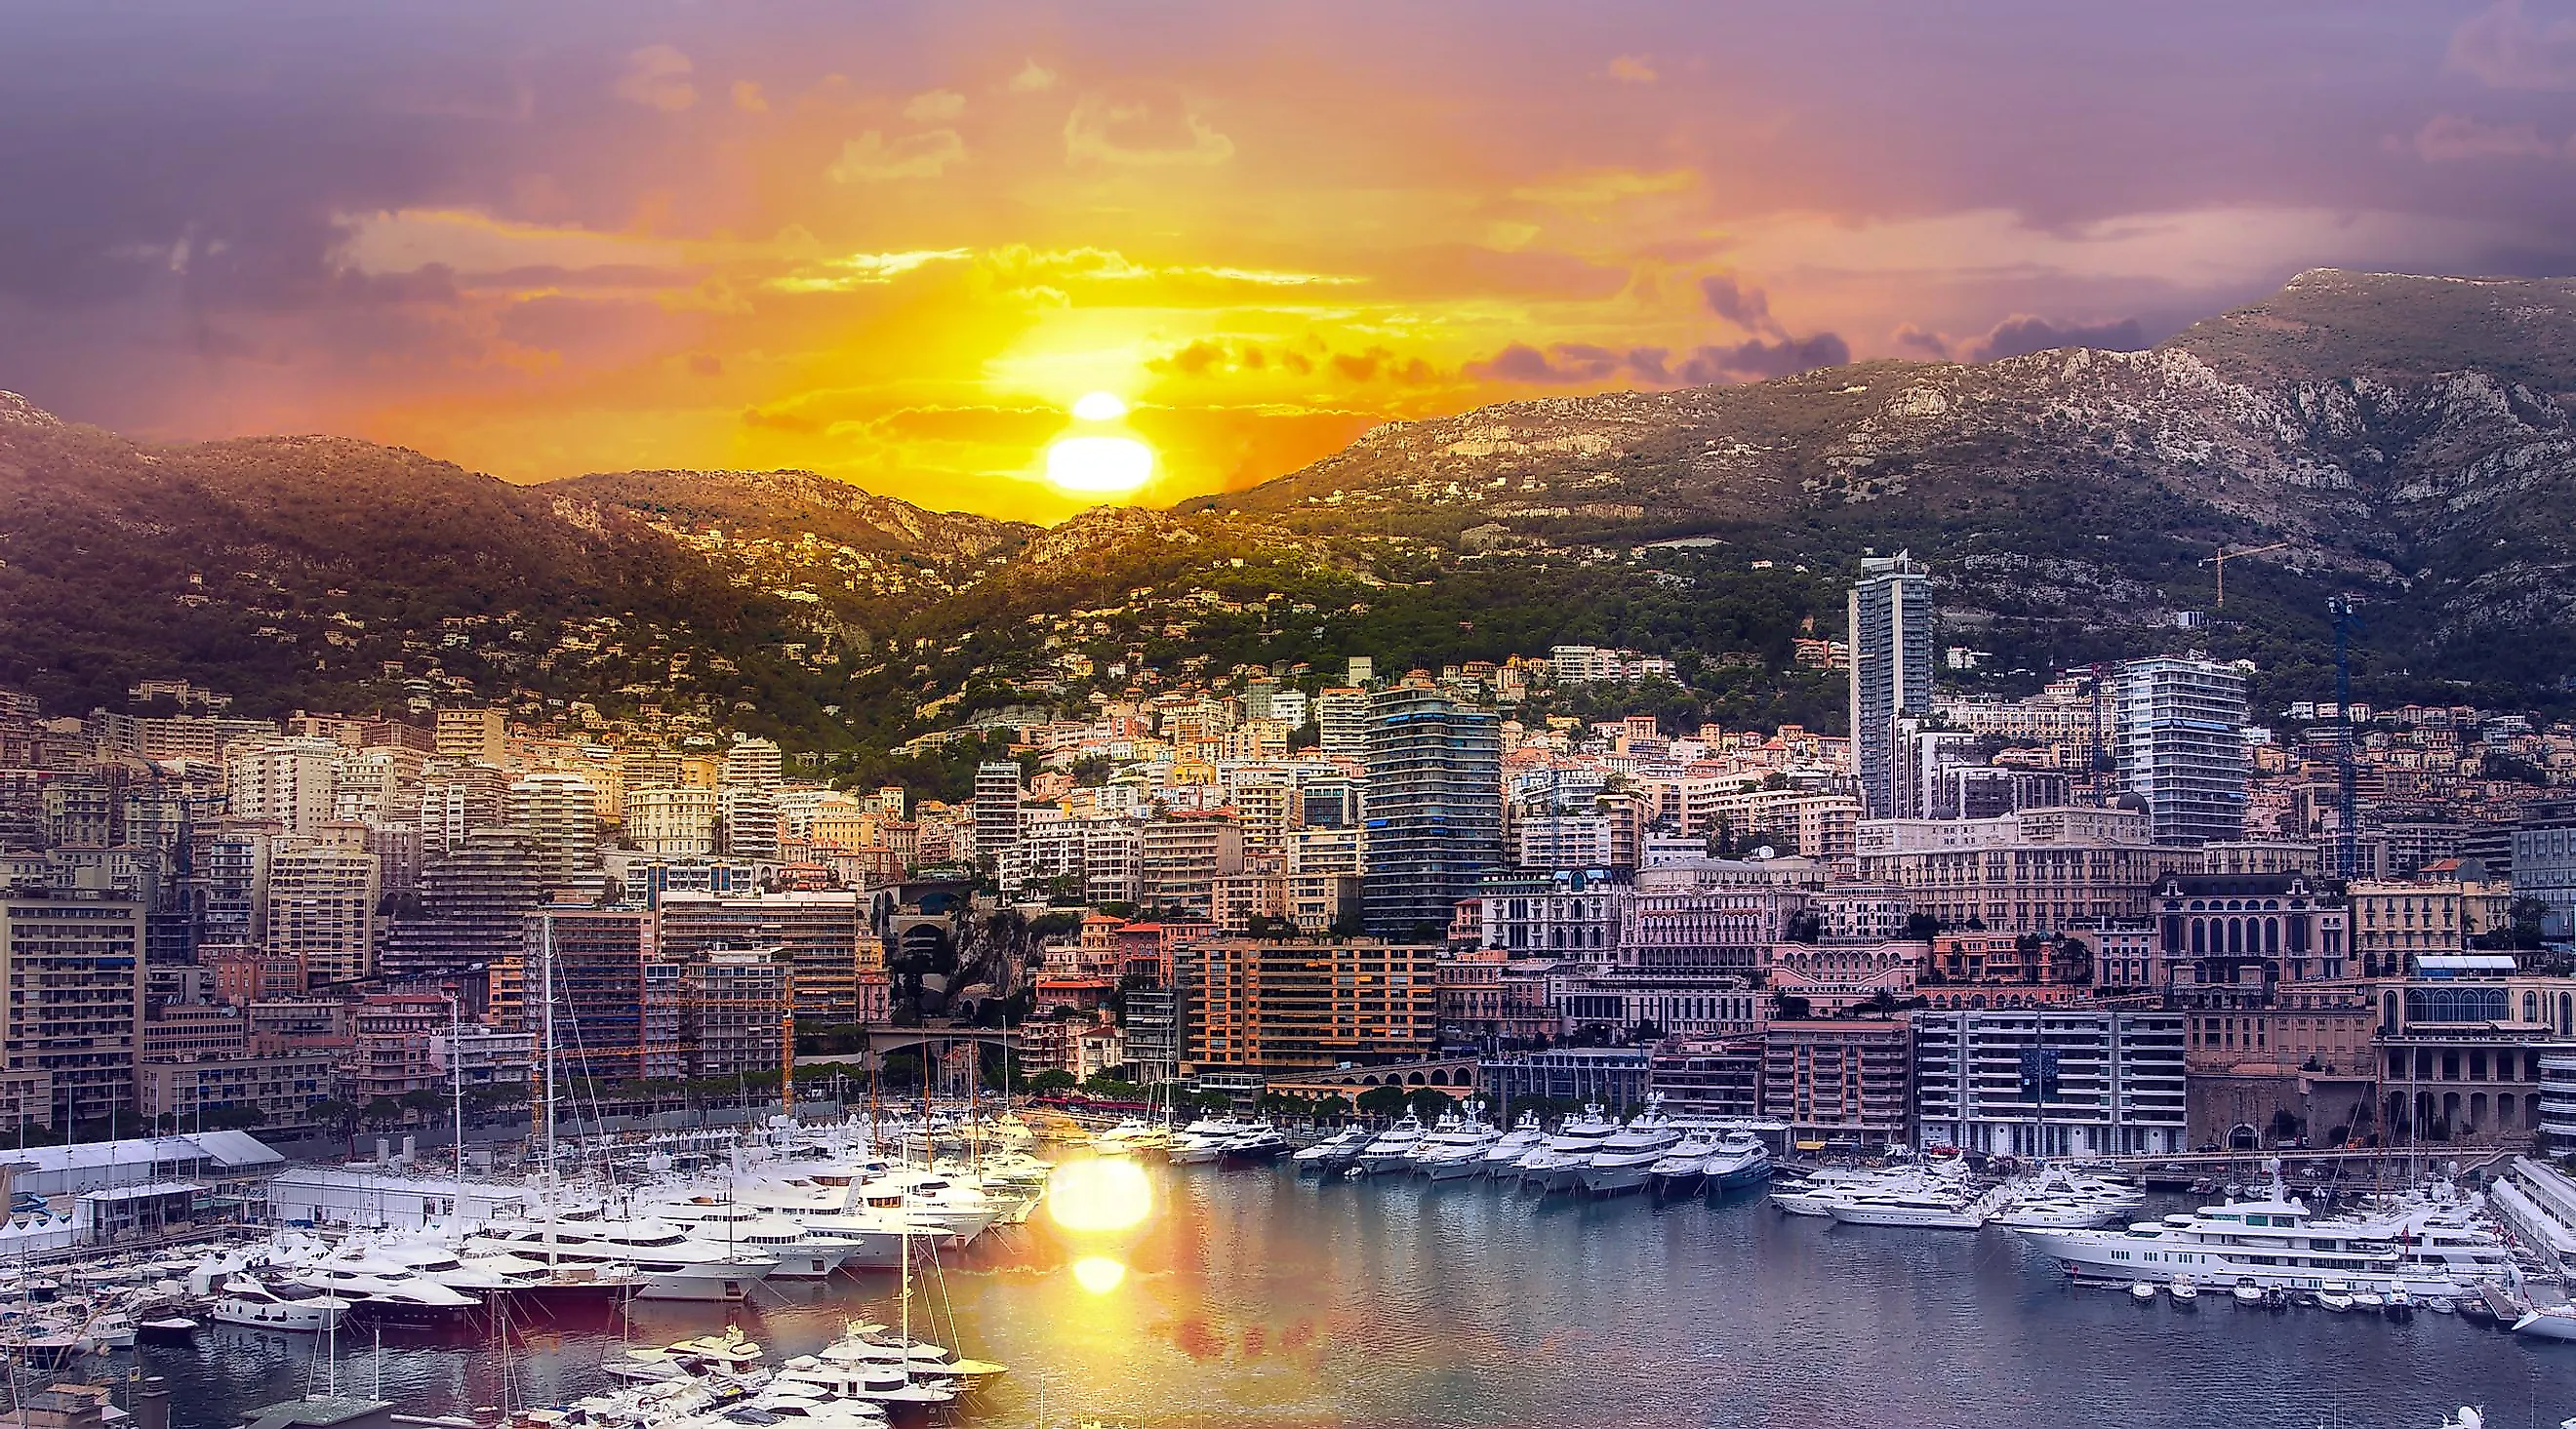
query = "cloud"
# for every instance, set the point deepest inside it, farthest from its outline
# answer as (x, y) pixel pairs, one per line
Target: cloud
(1922, 340)
(2448, 137)
(1569, 362)
(657, 77)
(1033, 78)
(1747, 308)
(1136, 135)
(2022, 334)
(1191, 361)
(1757, 360)
(870, 159)
(748, 98)
(1631, 69)
(936, 107)
(2504, 49)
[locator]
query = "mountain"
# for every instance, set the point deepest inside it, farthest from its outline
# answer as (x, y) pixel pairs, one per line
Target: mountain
(2403, 440)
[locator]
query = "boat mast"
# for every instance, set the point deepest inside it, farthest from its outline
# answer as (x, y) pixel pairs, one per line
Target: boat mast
(456, 1078)
(546, 997)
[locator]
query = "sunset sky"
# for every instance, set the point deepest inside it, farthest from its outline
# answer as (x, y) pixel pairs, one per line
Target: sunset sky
(895, 243)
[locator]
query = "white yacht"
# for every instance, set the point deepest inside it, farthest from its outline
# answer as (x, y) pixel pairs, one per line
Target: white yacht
(1625, 1156)
(248, 1300)
(1740, 1159)
(1503, 1158)
(674, 1264)
(1456, 1146)
(378, 1289)
(1557, 1163)
(2273, 1241)
(802, 1255)
(1680, 1168)
(1333, 1153)
(1257, 1141)
(1132, 1137)
(1922, 1208)
(1391, 1149)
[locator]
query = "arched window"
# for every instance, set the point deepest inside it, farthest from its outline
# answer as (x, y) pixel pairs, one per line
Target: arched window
(2388, 1012)
(2271, 935)
(2199, 936)
(2531, 1007)
(2566, 1014)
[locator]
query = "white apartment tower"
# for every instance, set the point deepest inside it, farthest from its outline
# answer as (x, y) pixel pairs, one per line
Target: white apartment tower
(2182, 746)
(1890, 614)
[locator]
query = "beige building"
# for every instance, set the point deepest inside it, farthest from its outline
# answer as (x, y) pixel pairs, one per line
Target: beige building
(477, 735)
(2394, 923)
(1180, 857)
(558, 814)
(2039, 870)
(1304, 1005)
(322, 912)
(71, 998)
(674, 821)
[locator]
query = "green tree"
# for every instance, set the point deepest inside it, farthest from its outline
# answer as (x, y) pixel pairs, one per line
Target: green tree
(1054, 1081)
(1429, 1102)
(421, 1103)
(1382, 1101)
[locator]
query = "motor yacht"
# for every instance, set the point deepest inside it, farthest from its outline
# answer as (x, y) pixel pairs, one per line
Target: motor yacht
(2335, 1295)
(248, 1300)
(674, 1264)
(2270, 1241)
(379, 1290)
(2552, 1322)
(2183, 1293)
(1927, 1208)
(1626, 1155)
(1679, 1169)
(1258, 1141)
(1334, 1153)
(1132, 1137)
(802, 1255)
(1739, 1160)
(1503, 1158)
(1557, 1163)
(1391, 1149)
(870, 1235)
(1455, 1147)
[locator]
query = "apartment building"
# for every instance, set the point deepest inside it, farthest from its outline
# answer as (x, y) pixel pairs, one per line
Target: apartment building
(71, 998)
(1269, 1005)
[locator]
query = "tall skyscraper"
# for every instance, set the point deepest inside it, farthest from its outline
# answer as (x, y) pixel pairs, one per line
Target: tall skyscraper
(558, 814)
(1434, 808)
(72, 970)
(1342, 714)
(997, 807)
(2182, 746)
(322, 912)
(1891, 668)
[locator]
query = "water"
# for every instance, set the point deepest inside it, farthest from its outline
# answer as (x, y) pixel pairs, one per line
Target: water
(1250, 1297)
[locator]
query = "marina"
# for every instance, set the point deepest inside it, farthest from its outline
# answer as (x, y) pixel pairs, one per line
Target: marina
(1255, 1295)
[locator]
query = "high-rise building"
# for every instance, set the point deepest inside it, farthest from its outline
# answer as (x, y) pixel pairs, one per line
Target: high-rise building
(747, 820)
(1283, 1006)
(322, 912)
(753, 761)
(2182, 746)
(458, 798)
(1890, 614)
(820, 937)
(1342, 717)
(733, 1011)
(1434, 807)
(289, 782)
(997, 807)
(473, 899)
(618, 1002)
(476, 735)
(674, 821)
(558, 814)
(71, 998)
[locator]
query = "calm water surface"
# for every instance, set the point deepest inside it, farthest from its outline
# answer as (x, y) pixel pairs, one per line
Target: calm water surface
(1253, 1298)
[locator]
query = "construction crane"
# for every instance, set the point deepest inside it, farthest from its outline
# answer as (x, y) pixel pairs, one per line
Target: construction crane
(2346, 617)
(2225, 555)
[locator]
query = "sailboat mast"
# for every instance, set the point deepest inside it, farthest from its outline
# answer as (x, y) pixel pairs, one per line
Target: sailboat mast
(456, 1080)
(546, 998)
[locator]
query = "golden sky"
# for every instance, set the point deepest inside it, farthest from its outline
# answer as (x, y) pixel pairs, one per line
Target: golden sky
(895, 243)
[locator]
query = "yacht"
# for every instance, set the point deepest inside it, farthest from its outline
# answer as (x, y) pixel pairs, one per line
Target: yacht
(378, 1289)
(1503, 1158)
(802, 1255)
(1816, 1193)
(2059, 1198)
(1456, 1146)
(1925, 1208)
(1679, 1169)
(2273, 1242)
(1624, 1157)
(248, 1300)
(674, 1264)
(1333, 1153)
(1557, 1164)
(1132, 1137)
(869, 1235)
(1739, 1160)
(1204, 1140)
(1391, 1149)
(2554, 1322)
(1257, 1141)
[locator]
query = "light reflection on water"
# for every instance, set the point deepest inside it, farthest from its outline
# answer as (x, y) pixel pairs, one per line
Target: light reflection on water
(1252, 1298)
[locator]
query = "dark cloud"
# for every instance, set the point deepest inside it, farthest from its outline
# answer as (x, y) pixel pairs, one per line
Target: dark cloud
(1565, 362)
(2022, 334)
(1378, 362)
(1192, 361)
(1755, 360)
(1746, 307)
(1915, 339)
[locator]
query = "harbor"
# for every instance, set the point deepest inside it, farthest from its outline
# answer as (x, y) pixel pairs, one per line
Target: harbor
(1159, 1284)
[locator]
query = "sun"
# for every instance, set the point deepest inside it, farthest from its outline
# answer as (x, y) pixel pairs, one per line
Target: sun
(1099, 463)
(1102, 1194)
